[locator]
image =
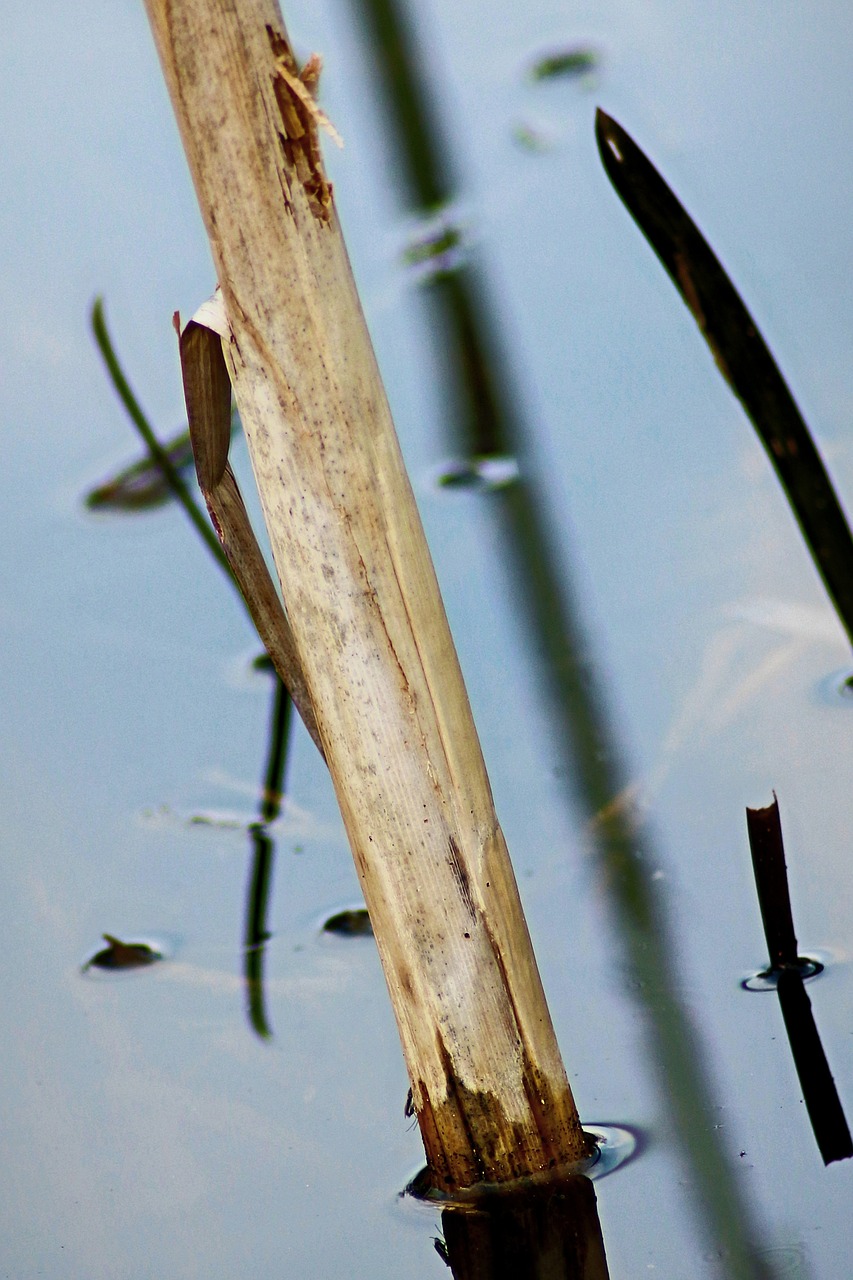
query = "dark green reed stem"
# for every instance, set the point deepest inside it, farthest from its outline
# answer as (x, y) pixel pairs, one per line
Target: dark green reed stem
(277, 758)
(741, 355)
(263, 858)
(159, 455)
(464, 328)
(424, 163)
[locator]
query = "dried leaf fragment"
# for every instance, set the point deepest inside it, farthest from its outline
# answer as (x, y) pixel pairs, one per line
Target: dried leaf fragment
(302, 118)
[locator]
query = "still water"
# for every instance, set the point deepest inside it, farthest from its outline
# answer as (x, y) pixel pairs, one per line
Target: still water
(153, 1125)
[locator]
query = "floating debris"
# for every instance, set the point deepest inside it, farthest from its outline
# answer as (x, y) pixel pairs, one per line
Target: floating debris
(483, 475)
(123, 955)
(768, 979)
(143, 484)
(575, 62)
(440, 1246)
(532, 139)
(436, 249)
(220, 821)
(433, 244)
(354, 923)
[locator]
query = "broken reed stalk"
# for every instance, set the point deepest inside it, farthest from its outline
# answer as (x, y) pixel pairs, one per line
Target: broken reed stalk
(764, 828)
(372, 639)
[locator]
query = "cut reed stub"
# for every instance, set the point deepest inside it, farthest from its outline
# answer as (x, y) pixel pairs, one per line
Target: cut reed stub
(771, 882)
(786, 976)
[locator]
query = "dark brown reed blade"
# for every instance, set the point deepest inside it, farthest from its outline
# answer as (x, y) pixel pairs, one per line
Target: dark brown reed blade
(771, 882)
(819, 1092)
(741, 355)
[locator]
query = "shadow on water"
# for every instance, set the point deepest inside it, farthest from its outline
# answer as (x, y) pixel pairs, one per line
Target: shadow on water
(142, 485)
(486, 423)
(547, 1234)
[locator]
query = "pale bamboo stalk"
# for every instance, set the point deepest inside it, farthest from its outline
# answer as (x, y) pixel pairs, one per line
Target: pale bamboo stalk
(359, 589)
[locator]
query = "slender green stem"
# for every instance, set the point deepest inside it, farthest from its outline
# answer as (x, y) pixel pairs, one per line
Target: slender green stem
(158, 454)
(263, 860)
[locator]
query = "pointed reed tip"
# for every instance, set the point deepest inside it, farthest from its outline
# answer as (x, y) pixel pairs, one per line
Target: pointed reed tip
(96, 311)
(609, 136)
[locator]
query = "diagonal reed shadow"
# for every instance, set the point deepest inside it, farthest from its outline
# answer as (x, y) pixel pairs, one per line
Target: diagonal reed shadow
(487, 423)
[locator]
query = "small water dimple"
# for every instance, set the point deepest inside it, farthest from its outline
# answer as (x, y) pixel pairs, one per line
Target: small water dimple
(482, 475)
(836, 689)
(533, 138)
(615, 1145)
(768, 979)
(788, 1262)
(119, 956)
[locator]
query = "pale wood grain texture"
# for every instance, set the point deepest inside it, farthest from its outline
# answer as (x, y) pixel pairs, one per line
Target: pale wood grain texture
(361, 595)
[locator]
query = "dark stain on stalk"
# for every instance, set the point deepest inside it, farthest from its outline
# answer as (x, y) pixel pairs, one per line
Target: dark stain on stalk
(460, 875)
(456, 1160)
(453, 1155)
(539, 1094)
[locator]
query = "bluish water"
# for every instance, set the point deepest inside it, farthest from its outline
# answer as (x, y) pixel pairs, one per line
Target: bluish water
(148, 1129)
